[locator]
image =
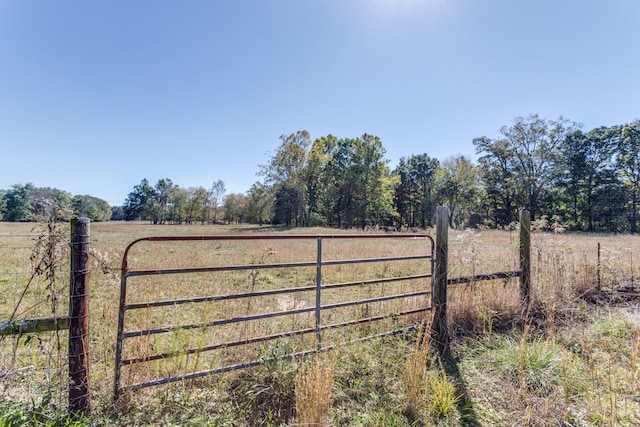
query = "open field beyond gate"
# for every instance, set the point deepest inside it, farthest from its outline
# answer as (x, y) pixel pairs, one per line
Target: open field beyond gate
(585, 375)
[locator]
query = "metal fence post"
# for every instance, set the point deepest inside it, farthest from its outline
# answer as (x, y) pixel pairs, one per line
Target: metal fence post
(318, 294)
(525, 257)
(79, 402)
(441, 333)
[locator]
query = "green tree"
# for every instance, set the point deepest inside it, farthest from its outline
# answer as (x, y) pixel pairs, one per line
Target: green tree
(286, 174)
(235, 208)
(349, 182)
(3, 204)
(458, 187)
(216, 197)
(287, 204)
(139, 203)
(92, 207)
(629, 168)
(527, 154)
(536, 145)
(18, 201)
(368, 172)
(259, 203)
(414, 194)
(323, 182)
(498, 178)
(382, 209)
(159, 201)
(50, 202)
(589, 179)
(117, 213)
(196, 204)
(177, 204)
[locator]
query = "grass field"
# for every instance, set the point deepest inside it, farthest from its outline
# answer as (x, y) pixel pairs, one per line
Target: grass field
(573, 359)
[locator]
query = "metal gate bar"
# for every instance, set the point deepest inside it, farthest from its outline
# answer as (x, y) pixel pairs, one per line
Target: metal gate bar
(146, 332)
(253, 363)
(215, 298)
(254, 340)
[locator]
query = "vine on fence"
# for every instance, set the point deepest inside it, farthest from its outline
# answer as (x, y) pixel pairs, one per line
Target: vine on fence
(48, 258)
(49, 255)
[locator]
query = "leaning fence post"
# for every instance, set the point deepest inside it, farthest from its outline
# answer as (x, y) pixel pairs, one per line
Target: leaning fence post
(439, 327)
(79, 402)
(525, 257)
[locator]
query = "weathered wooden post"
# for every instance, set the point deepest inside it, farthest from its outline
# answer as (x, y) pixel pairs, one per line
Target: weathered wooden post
(439, 327)
(79, 402)
(525, 257)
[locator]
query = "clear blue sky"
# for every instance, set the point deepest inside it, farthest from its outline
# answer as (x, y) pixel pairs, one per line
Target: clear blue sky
(97, 95)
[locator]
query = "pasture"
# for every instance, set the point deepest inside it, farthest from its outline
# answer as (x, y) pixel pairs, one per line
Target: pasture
(573, 359)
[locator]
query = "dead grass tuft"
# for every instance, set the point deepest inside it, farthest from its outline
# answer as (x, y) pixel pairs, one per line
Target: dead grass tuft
(314, 397)
(414, 373)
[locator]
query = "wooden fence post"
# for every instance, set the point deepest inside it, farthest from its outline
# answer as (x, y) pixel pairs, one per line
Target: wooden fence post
(439, 327)
(79, 402)
(525, 257)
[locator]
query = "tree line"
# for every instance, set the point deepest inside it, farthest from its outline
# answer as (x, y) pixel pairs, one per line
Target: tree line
(26, 202)
(168, 203)
(590, 180)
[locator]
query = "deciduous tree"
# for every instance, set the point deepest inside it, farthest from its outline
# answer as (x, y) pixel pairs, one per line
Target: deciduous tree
(92, 207)
(235, 208)
(498, 177)
(259, 202)
(349, 181)
(526, 154)
(139, 203)
(216, 197)
(18, 203)
(629, 164)
(414, 195)
(286, 174)
(458, 187)
(588, 177)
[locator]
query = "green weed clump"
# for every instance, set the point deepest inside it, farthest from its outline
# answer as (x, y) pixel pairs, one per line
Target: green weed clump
(12, 415)
(265, 395)
(442, 395)
(532, 364)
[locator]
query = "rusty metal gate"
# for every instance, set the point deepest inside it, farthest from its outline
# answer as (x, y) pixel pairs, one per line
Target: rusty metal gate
(316, 292)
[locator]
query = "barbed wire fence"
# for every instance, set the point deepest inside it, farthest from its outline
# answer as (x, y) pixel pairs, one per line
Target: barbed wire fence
(44, 317)
(32, 277)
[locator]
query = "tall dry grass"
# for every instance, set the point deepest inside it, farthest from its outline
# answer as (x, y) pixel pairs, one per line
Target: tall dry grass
(418, 361)
(428, 391)
(314, 395)
(566, 269)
